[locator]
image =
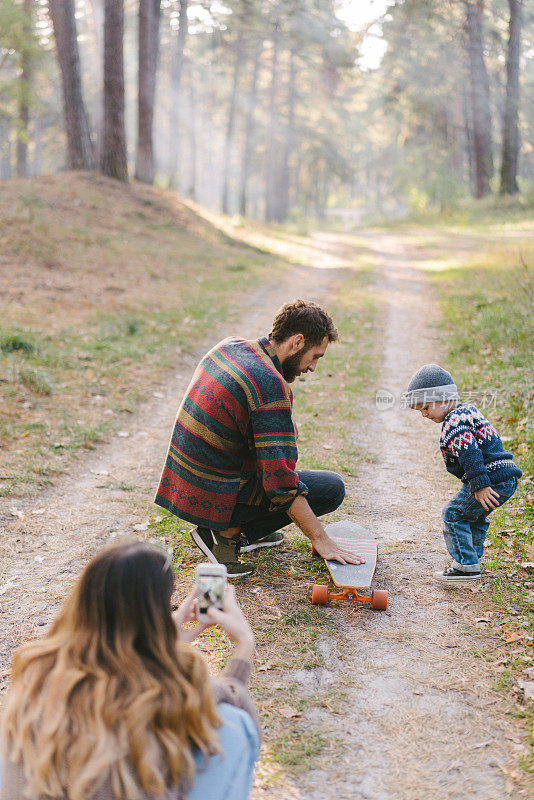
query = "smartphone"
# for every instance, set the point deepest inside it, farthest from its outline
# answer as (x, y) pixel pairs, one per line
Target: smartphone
(211, 583)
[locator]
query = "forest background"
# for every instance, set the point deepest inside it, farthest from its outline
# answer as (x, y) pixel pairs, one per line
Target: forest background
(275, 109)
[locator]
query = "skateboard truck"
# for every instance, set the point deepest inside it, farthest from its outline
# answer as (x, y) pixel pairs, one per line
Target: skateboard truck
(321, 596)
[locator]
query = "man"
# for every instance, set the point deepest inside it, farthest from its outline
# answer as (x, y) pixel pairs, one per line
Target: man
(230, 469)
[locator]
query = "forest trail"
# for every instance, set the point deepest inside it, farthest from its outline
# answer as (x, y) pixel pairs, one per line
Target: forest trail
(421, 718)
(47, 541)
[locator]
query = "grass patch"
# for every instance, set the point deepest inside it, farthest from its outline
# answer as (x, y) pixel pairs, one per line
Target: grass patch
(94, 314)
(488, 324)
(328, 405)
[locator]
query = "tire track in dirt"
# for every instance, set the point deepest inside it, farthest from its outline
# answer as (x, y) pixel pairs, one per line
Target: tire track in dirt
(421, 719)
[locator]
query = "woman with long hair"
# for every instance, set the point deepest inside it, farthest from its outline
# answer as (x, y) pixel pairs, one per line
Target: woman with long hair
(114, 702)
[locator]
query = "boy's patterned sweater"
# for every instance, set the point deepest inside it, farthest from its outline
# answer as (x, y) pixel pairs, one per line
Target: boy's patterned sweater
(472, 449)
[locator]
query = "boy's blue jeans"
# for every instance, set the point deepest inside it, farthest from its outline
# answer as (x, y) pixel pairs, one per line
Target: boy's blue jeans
(465, 525)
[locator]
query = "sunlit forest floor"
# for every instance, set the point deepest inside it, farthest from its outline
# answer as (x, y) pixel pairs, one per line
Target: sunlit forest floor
(109, 295)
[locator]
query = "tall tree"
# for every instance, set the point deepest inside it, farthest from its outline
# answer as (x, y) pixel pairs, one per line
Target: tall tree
(480, 99)
(79, 146)
(177, 67)
(239, 50)
(149, 14)
(283, 193)
(247, 139)
(23, 122)
(96, 20)
(272, 131)
(510, 141)
(114, 159)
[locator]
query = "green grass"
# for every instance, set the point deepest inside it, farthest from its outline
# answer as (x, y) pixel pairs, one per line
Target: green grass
(95, 316)
(488, 326)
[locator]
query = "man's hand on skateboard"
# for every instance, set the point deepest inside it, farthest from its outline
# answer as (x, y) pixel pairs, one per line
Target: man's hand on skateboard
(302, 515)
(332, 551)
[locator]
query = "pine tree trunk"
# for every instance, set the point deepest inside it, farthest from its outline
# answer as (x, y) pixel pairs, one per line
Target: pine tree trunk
(283, 194)
(227, 161)
(97, 20)
(5, 146)
(192, 183)
(149, 14)
(114, 159)
(23, 126)
(270, 163)
(177, 65)
(249, 129)
(510, 143)
(480, 98)
(79, 146)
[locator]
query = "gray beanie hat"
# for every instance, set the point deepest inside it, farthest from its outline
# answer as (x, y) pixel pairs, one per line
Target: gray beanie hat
(430, 384)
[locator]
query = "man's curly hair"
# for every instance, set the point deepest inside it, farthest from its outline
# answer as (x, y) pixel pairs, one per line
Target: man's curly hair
(307, 318)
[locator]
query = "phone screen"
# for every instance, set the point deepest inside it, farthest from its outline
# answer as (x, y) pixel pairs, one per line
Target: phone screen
(210, 591)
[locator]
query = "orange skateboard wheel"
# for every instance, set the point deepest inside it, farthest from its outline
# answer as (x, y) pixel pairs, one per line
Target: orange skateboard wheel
(314, 551)
(379, 599)
(320, 594)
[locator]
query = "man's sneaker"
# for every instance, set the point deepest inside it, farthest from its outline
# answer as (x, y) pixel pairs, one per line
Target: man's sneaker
(271, 540)
(453, 575)
(222, 550)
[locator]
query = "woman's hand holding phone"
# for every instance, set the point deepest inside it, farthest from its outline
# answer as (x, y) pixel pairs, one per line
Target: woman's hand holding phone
(231, 620)
(187, 612)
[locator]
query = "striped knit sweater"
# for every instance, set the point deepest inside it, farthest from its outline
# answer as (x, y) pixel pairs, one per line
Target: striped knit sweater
(472, 449)
(234, 438)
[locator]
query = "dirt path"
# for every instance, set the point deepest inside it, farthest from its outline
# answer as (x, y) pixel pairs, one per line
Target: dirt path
(421, 719)
(45, 543)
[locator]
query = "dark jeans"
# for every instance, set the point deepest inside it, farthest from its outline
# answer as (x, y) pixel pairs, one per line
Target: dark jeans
(326, 492)
(465, 525)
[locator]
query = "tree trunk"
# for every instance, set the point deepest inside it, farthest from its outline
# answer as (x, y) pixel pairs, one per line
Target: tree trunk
(192, 183)
(97, 21)
(231, 122)
(510, 142)
(149, 14)
(114, 159)
(480, 98)
(249, 129)
(177, 65)
(283, 194)
(23, 126)
(5, 146)
(79, 146)
(270, 162)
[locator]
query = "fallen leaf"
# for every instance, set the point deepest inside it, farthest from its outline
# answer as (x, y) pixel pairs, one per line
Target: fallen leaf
(16, 512)
(289, 712)
(327, 446)
(265, 667)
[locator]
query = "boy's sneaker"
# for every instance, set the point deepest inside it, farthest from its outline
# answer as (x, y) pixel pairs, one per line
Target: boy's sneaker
(222, 550)
(271, 540)
(453, 575)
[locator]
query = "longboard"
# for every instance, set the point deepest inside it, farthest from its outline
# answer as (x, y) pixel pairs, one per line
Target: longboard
(352, 578)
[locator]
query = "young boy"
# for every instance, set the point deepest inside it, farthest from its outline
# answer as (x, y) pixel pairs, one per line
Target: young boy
(473, 452)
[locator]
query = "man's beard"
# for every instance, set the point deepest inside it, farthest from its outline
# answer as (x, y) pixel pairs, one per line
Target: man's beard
(291, 367)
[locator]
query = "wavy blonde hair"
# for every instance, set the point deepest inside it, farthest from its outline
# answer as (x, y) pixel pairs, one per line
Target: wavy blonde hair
(109, 693)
